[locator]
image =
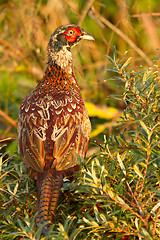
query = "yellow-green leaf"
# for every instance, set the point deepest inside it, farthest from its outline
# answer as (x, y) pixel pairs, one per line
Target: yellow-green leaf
(126, 63)
(101, 111)
(136, 169)
(144, 127)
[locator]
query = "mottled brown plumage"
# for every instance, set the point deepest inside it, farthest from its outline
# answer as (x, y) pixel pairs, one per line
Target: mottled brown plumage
(53, 124)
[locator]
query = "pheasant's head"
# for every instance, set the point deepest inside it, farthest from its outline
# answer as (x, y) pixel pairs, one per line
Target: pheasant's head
(61, 41)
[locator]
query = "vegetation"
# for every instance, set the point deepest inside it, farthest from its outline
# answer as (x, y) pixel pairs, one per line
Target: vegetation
(116, 194)
(26, 27)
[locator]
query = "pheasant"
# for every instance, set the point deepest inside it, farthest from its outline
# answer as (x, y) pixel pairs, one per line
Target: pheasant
(53, 124)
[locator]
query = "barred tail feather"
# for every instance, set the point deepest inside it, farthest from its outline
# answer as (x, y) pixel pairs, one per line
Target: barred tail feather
(48, 186)
(58, 181)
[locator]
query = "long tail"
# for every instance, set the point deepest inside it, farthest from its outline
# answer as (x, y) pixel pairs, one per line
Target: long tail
(48, 187)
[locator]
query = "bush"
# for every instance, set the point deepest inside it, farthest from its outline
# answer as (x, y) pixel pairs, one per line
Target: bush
(116, 193)
(121, 185)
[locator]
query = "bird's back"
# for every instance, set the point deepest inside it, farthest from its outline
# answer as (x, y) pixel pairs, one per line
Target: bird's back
(53, 123)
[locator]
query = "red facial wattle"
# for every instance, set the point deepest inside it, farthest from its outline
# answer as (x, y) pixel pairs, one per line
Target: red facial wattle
(72, 38)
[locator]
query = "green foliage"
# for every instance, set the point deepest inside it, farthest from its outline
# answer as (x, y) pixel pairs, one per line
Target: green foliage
(121, 182)
(116, 194)
(26, 27)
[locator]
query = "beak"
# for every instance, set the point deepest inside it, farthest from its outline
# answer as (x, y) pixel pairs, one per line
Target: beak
(86, 36)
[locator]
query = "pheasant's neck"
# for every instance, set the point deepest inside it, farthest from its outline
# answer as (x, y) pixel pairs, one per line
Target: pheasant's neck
(62, 58)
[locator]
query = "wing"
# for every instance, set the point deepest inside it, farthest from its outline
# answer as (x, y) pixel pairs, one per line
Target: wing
(31, 144)
(72, 140)
(56, 128)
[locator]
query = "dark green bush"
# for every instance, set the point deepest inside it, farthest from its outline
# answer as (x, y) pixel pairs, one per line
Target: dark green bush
(121, 182)
(116, 194)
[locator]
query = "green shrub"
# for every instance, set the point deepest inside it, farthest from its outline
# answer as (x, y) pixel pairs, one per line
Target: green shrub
(116, 194)
(120, 184)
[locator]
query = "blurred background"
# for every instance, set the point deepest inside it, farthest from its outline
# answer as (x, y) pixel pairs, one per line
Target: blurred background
(25, 29)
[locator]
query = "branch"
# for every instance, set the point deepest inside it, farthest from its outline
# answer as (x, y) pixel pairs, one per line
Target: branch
(95, 15)
(8, 119)
(85, 10)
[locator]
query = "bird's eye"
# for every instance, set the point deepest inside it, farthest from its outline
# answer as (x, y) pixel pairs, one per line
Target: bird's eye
(70, 32)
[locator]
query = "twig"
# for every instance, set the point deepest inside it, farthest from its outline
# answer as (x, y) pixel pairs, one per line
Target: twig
(85, 10)
(144, 177)
(7, 140)
(127, 207)
(145, 14)
(8, 119)
(155, 222)
(95, 15)
(135, 200)
(14, 51)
